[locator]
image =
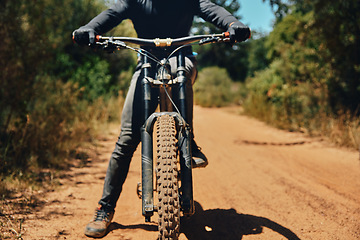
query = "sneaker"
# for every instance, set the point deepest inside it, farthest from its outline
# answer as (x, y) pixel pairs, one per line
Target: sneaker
(199, 159)
(99, 225)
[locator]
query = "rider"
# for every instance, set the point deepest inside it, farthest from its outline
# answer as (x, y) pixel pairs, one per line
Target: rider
(151, 19)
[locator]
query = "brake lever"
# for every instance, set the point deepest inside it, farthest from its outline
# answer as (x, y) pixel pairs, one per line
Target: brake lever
(207, 40)
(111, 46)
(213, 40)
(119, 44)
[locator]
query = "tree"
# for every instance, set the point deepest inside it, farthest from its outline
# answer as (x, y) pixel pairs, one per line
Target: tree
(233, 59)
(41, 88)
(337, 28)
(338, 23)
(257, 59)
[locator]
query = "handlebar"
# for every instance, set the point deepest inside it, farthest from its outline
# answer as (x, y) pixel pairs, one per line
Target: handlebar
(167, 42)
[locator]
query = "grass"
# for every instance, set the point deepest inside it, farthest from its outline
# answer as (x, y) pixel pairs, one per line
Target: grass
(213, 88)
(300, 107)
(296, 113)
(19, 190)
(10, 224)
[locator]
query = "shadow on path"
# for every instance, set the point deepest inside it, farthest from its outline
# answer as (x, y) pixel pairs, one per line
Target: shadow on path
(227, 224)
(215, 224)
(146, 227)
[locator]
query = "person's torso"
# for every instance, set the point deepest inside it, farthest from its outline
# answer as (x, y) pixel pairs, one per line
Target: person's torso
(162, 18)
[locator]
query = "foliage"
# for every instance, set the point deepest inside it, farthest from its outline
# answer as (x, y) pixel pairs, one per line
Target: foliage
(339, 26)
(281, 103)
(94, 78)
(51, 90)
(233, 59)
(213, 88)
(313, 73)
(257, 52)
(281, 7)
(46, 129)
(293, 89)
(335, 29)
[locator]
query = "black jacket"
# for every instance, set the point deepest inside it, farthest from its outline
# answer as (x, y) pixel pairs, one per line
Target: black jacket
(161, 18)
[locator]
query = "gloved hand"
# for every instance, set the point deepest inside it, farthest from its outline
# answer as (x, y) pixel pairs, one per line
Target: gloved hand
(238, 32)
(84, 36)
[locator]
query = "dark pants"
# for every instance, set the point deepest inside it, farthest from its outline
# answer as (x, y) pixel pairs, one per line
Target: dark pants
(131, 121)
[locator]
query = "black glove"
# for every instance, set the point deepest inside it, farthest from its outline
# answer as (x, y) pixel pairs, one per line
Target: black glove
(84, 36)
(238, 32)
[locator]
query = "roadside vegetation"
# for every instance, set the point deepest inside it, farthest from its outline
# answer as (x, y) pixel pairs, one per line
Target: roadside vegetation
(303, 76)
(312, 82)
(56, 96)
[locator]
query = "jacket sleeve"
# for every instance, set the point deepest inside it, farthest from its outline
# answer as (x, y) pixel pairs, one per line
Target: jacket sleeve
(215, 14)
(110, 18)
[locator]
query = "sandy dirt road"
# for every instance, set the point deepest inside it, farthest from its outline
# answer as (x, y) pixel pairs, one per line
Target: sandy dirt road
(261, 183)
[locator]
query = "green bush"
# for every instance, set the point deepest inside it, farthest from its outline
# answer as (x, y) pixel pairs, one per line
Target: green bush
(57, 122)
(38, 139)
(94, 78)
(298, 106)
(52, 91)
(282, 103)
(213, 88)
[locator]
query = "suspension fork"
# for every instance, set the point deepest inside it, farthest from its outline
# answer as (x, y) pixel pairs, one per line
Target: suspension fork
(186, 201)
(146, 147)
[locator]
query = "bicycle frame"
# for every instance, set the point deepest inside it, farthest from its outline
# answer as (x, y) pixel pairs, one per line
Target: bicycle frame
(180, 116)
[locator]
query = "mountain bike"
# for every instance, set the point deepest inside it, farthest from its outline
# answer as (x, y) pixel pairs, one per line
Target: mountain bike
(167, 132)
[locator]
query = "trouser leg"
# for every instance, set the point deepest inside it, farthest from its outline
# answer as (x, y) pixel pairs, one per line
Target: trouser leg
(131, 121)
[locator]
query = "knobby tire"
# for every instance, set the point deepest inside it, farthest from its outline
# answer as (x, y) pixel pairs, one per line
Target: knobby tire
(167, 178)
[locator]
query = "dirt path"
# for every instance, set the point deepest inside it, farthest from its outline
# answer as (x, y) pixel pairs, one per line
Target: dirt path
(261, 183)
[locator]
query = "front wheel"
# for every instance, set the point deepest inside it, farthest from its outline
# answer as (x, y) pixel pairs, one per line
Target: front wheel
(167, 178)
